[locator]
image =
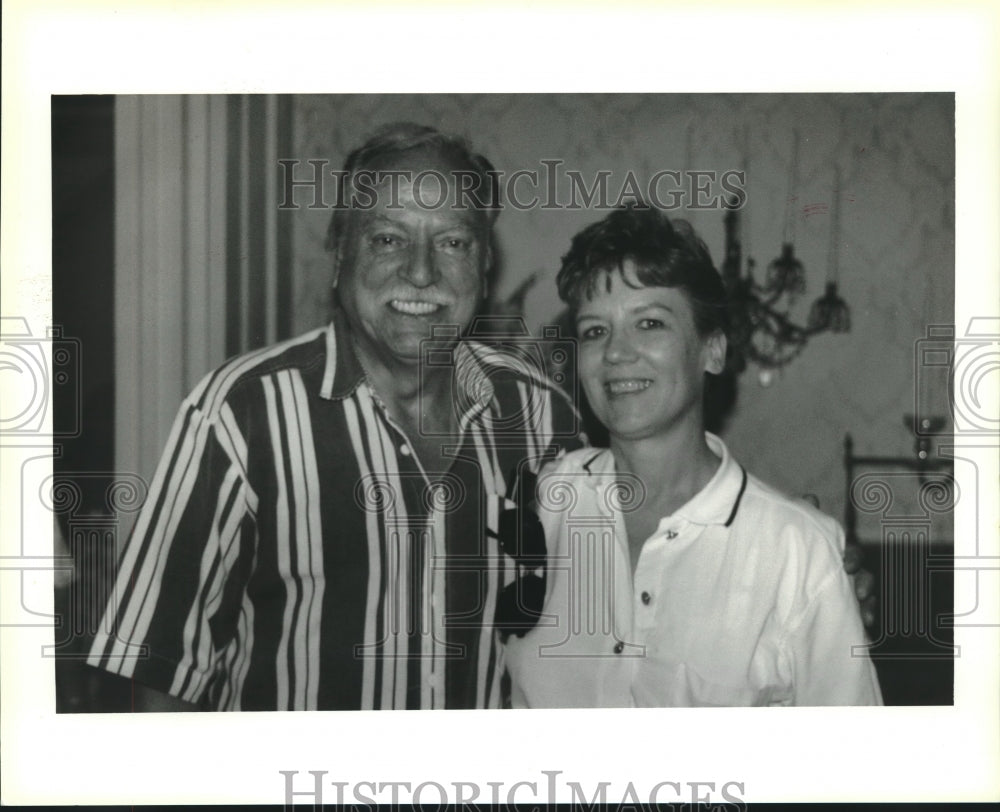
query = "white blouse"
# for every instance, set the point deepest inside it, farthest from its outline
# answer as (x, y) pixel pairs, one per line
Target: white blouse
(739, 598)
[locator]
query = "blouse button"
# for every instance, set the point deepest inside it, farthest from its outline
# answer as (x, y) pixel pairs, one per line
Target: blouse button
(646, 598)
(619, 647)
(404, 449)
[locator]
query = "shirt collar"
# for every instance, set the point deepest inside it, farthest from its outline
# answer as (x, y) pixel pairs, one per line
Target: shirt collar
(717, 503)
(343, 372)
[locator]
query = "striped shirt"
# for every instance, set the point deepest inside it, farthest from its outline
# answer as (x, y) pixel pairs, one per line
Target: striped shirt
(293, 554)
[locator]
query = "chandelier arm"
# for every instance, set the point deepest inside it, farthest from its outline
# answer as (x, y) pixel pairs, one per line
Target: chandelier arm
(771, 297)
(781, 328)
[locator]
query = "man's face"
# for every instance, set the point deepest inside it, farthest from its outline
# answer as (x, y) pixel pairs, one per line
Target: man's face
(412, 261)
(642, 361)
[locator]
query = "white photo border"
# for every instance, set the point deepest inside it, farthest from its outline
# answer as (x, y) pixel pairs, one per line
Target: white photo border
(869, 754)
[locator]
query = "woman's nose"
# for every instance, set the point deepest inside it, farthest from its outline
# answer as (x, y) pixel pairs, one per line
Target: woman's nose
(619, 348)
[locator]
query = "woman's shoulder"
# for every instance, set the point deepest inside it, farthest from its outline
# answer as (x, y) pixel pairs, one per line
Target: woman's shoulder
(803, 546)
(583, 460)
(766, 503)
(564, 482)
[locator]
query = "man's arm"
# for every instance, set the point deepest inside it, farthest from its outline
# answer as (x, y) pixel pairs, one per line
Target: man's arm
(171, 564)
(863, 581)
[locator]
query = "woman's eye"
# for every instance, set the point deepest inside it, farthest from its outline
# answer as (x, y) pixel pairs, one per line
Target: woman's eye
(591, 333)
(651, 324)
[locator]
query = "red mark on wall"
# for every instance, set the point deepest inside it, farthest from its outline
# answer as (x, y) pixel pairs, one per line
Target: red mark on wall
(815, 208)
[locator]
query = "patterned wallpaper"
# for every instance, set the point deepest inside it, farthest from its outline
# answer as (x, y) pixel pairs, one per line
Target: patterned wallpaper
(895, 157)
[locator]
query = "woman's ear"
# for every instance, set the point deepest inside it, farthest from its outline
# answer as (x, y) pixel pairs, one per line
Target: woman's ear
(715, 353)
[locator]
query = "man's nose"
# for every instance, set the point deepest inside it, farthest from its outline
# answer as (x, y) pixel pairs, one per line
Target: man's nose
(421, 266)
(619, 348)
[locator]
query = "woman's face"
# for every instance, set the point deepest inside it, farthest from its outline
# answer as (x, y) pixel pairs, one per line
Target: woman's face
(642, 362)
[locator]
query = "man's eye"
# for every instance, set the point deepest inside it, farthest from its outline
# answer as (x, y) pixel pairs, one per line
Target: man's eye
(651, 324)
(385, 241)
(455, 244)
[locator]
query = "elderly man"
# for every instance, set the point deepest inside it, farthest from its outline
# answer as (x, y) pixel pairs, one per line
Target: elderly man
(291, 553)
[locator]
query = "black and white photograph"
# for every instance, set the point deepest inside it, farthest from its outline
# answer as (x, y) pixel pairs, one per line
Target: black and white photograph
(566, 411)
(343, 520)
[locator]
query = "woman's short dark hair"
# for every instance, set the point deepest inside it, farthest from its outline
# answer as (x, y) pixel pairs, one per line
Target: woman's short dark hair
(399, 138)
(665, 254)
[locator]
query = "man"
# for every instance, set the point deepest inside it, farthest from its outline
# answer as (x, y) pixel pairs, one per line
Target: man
(291, 552)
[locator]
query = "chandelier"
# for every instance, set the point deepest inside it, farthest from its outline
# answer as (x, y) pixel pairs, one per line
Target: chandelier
(762, 327)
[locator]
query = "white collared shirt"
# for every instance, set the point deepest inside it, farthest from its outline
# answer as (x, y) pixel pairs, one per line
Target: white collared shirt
(739, 598)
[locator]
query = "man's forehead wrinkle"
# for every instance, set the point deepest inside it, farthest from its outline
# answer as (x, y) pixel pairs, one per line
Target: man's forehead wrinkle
(377, 218)
(442, 221)
(407, 165)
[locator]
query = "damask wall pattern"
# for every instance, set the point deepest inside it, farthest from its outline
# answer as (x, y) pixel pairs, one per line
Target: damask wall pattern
(895, 158)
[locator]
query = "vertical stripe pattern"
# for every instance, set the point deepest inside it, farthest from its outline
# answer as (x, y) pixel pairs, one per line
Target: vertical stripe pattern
(295, 554)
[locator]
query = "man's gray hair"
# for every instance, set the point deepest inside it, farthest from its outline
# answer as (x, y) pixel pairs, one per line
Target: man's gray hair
(402, 137)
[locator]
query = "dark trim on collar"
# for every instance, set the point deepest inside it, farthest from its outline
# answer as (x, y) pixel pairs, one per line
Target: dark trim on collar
(739, 497)
(586, 465)
(348, 372)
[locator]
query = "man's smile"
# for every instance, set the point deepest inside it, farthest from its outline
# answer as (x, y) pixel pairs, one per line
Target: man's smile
(412, 307)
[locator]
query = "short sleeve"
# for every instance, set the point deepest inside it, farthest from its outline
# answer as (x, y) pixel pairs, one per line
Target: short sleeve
(176, 597)
(828, 650)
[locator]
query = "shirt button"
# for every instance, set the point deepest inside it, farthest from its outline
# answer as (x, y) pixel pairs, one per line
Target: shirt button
(646, 598)
(404, 449)
(619, 647)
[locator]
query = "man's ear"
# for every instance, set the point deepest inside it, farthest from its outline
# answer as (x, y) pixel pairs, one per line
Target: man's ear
(715, 353)
(340, 246)
(338, 264)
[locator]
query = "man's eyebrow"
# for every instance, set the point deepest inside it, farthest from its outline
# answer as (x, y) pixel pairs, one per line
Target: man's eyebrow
(378, 219)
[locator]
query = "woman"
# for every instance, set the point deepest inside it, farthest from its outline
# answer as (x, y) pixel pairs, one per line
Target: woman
(674, 577)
